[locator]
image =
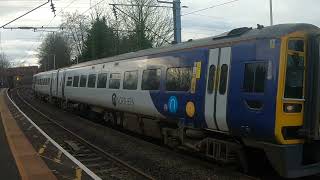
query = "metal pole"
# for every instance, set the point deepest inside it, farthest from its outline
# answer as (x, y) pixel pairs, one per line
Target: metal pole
(271, 14)
(54, 61)
(177, 20)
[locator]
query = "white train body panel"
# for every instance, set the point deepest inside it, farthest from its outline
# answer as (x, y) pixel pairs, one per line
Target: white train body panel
(43, 85)
(134, 101)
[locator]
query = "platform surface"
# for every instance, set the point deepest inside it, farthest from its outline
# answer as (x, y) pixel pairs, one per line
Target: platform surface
(8, 168)
(19, 160)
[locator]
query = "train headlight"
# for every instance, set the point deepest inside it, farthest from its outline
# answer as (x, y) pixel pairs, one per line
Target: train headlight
(292, 108)
(190, 109)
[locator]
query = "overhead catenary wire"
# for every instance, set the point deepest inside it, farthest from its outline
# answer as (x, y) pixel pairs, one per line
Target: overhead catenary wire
(25, 14)
(217, 5)
(61, 10)
(92, 7)
(42, 32)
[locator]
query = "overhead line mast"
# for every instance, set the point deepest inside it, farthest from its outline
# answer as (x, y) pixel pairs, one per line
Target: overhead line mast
(176, 6)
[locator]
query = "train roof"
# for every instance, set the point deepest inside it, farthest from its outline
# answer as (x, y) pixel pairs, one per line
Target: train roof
(238, 34)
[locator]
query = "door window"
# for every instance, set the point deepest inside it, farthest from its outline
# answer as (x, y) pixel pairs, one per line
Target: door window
(211, 78)
(294, 77)
(69, 81)
(223, 79)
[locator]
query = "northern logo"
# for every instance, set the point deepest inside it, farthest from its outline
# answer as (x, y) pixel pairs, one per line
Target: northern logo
(121, 100)
(114, 99)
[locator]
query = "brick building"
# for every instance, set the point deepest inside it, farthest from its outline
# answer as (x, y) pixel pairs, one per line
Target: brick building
(16, 76)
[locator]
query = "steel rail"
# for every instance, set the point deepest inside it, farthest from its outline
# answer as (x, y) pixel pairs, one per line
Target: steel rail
(128, 166)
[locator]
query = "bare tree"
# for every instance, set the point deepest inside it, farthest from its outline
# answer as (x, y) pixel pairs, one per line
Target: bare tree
(75, 26)
(154, 24)
(4, 61)
(54, 52)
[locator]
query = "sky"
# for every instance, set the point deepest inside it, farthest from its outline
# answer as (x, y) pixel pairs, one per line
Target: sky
(21, 46)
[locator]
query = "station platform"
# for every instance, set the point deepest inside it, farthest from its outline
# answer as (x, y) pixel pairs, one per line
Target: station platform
(18, 158)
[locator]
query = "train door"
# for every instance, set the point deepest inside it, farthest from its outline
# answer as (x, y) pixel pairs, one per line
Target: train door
(217, 88)
(34, 80)
(54, 84)
(57, 84)
(51, 83)
(63, 82)
(60, 82)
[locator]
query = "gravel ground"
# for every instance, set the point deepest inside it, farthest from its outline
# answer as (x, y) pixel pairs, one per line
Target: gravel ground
(160, 162)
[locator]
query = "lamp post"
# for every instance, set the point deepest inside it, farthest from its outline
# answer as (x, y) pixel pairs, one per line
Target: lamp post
(271, 14)
(54, 61)
(48, 63)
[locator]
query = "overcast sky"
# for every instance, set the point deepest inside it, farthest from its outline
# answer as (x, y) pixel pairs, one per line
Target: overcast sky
(22, 45)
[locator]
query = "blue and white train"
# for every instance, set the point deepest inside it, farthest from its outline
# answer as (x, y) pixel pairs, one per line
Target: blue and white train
(247, 88)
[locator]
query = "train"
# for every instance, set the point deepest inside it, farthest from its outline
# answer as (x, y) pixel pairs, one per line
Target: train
(222, 96)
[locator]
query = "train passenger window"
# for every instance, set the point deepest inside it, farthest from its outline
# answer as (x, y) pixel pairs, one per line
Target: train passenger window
(114, 82)
(294, 77)
(92, 81)
(102, 80)
(211, 78)
(75, 81)
(179, 79)
(83, 80)
(223, 79)
(69, 81)
(296, 45)
(130, 81)
(255, 75)
(151, 79)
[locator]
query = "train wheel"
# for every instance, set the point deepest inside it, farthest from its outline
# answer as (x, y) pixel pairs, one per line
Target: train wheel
(110, 118)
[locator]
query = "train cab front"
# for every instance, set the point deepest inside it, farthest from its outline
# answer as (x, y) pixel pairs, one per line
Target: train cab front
(296, 152)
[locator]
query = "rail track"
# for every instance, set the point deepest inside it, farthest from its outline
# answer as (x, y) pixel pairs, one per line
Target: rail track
(103, 164)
